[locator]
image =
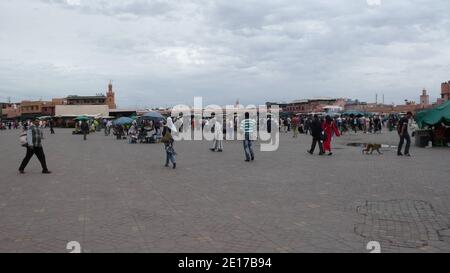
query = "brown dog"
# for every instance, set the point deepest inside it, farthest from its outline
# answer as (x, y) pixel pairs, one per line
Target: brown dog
(369, 148)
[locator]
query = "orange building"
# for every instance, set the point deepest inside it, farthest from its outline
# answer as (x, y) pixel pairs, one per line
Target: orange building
(57, 101)
(11, 111)
(32, 109)
(48, 108)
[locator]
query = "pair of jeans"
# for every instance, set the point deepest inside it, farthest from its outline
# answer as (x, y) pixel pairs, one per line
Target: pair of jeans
(248, 149)
(314, 143)
(39, 152)
(170, 157)
(402, 141)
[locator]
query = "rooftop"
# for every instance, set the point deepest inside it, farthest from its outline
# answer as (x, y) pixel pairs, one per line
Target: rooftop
(86, 97)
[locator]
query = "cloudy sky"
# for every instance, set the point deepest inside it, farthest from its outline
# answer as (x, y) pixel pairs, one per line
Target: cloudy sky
(165, 52)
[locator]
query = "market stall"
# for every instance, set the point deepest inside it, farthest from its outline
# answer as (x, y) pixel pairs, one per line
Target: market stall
(434, 124)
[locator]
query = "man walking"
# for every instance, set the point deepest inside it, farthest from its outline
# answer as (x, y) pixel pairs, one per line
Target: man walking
(34, 147)
(295, 126)
(248, 127)
(52, 131)
(403, 133)
(230, 129)
(308, 125)
(316, 132)
(218, 133)
(84, 128)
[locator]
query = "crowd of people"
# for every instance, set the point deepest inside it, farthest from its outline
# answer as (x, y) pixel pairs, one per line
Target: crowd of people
(346, 124)
(10, 125)
(138, 131)
(15, 124)
(323, 129)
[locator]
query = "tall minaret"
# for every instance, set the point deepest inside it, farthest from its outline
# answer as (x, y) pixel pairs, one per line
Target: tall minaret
(425, 98)
(110, 97)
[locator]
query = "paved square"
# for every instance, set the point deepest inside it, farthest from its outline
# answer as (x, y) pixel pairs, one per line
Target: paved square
(112, 196)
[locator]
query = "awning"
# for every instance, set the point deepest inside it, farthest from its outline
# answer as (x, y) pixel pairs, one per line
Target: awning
(434, 116)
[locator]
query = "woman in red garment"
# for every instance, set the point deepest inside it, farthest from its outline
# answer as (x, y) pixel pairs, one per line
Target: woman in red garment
(329, 127)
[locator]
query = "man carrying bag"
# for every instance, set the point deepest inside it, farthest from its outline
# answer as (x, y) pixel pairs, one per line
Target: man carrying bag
(34, 147)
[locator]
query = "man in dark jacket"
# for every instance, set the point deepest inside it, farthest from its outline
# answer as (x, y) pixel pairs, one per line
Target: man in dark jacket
(404, 134)
(84, 128)
(34, 147)
(316, 132)
(52, 131)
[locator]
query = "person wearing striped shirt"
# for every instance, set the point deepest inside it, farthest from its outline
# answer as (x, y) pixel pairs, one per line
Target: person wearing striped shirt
(248, 127)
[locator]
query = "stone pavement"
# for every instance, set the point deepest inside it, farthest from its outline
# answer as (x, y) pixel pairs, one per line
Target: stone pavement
(112, 196)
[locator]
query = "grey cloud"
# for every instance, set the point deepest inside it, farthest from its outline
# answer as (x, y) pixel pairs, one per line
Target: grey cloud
(161, 52)
(125, 9)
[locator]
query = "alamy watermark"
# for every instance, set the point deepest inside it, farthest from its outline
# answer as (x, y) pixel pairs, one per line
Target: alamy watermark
(214, 122)
(74, 247)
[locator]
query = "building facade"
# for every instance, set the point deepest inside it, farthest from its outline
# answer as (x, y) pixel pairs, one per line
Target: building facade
(86, 100)
(13, 112)
(3, 106)
(57, 101)
(72, 111)
(445, 91)
(31, 109)
(99, 99)
(313, 105)
(48, 108)
(10, 110)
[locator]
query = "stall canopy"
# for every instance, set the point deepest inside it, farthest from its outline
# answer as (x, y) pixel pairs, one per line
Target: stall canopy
(354, 113)
(434, 116)
(81, 118)
(123, 121)
(153, 116)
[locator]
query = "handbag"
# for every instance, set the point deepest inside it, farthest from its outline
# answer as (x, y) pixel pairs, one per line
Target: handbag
(166, 138)
(23, 139)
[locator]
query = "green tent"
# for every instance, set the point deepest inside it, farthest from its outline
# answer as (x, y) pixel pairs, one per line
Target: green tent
(353, 113)
(82, 118)
(434, 116)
